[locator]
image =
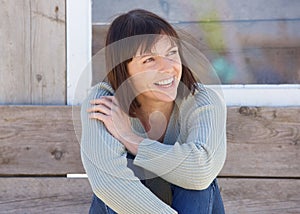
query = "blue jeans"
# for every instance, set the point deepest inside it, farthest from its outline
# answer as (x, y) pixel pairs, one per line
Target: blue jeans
(207, 201)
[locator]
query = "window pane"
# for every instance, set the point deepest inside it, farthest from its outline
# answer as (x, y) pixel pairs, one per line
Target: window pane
(248, 42)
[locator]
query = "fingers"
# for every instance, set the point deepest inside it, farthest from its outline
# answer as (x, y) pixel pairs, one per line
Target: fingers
(99, 116)
(99, 109)
(104, 105)
(108, 100)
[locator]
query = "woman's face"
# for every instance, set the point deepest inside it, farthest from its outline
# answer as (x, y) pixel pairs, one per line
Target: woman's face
(155, 75)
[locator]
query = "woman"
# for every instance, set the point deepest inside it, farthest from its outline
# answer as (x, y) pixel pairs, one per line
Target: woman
(153, 138)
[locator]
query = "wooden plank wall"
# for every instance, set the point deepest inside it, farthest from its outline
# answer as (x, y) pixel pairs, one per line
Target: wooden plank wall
(32, 62)
(39, 143)
(38, 147)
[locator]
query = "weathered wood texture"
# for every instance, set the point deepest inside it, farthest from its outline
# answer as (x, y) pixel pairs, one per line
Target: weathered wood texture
(48, 51)
(38, 140)
(62, 195)
(263, 196)
(15, 79)
(262, 142)
(32, 62)
(44, 195)
(41, 141)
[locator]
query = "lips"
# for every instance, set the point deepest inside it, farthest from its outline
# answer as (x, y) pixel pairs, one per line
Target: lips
(165, 82)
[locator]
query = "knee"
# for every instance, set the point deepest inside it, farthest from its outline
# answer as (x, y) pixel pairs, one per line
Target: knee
(181, 189)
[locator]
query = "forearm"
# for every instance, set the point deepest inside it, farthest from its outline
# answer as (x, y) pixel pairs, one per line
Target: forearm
(104, 159)
(198, 157)
(184, 165)
(124, 195)
(131, 142)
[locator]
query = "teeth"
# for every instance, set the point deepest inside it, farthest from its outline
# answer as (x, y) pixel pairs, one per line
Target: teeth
(165, 82)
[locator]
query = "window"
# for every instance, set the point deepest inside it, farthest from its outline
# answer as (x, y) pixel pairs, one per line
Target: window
(254, 46)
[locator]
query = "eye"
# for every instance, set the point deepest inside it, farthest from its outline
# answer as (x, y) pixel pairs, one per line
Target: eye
(172, 52)
(150, 59)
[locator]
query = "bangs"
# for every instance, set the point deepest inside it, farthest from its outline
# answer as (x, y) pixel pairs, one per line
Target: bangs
(149, 41)
(135, 33)
(123, 51)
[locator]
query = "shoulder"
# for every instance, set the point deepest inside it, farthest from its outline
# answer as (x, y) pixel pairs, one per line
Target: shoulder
(206, 102)
(204, 96)
(100, 89)
(97, 91)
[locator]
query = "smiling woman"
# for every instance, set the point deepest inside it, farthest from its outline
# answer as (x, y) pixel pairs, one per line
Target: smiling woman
(153, 138)
(156, 75)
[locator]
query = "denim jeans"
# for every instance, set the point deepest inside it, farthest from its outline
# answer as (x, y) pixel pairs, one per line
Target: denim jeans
(207, 201)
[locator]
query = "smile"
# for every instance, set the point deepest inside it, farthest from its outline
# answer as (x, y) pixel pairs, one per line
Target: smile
(165, 83)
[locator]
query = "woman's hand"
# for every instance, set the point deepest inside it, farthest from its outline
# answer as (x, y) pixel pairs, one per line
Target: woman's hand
(107, 110)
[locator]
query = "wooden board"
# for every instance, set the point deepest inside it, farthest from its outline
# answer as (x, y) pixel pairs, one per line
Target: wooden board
(15, 47)
(262, 142)
(44, 195)
(48, 49)
(32, 62)
(191, 10)
(62, 195)
(38, 140)
(263, 196)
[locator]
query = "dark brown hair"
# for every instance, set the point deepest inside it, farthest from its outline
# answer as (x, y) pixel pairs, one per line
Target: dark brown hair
(119, 54)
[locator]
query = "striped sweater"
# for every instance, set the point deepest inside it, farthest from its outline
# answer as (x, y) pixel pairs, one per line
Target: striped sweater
(191, 156)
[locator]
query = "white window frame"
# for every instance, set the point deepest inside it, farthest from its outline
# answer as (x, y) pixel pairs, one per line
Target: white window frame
(79, 45)
(79, 42)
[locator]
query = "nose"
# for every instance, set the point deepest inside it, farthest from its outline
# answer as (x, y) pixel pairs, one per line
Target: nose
(165, 65)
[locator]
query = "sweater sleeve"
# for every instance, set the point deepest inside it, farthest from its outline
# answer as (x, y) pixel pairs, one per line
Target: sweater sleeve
(104, 159)
(199, 153)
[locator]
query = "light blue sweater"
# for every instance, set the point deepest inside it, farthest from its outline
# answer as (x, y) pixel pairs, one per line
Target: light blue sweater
(191, 156)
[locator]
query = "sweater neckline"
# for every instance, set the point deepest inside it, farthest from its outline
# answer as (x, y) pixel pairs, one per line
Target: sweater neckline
(140, 130)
